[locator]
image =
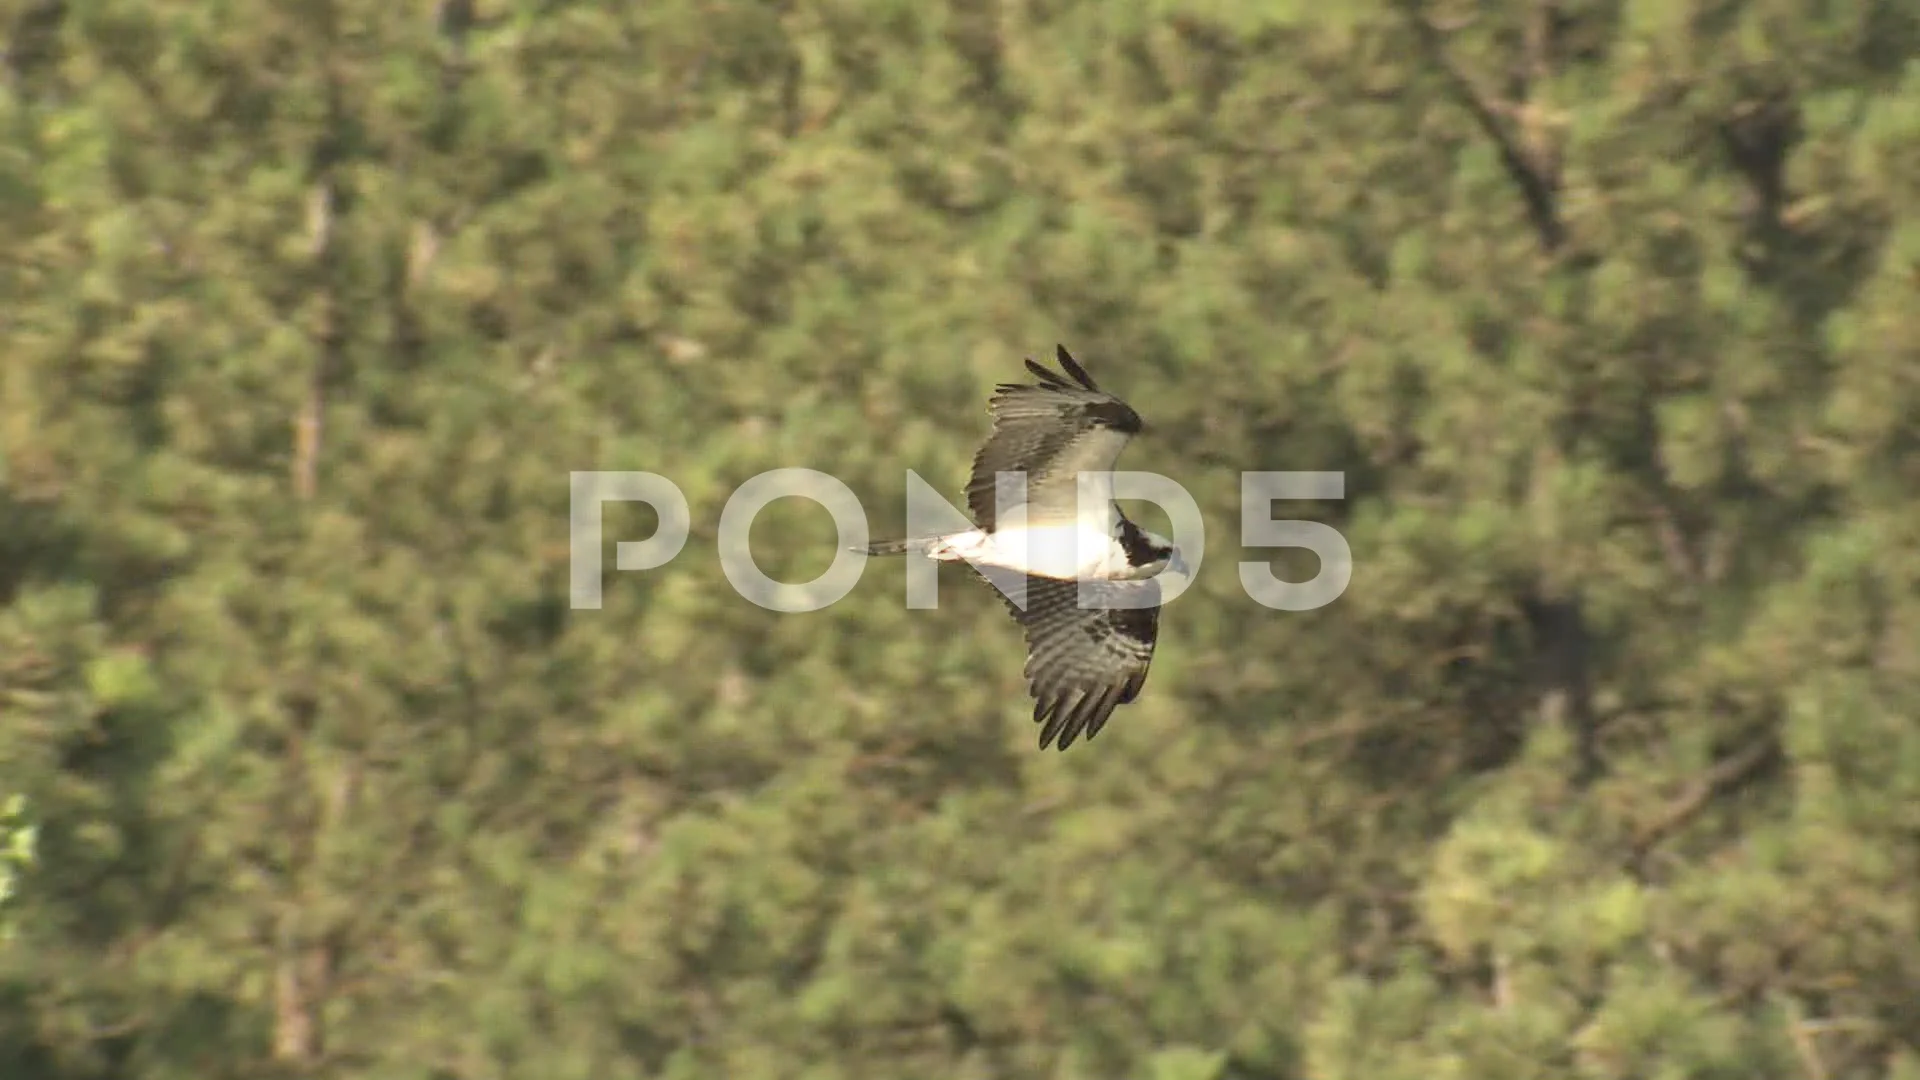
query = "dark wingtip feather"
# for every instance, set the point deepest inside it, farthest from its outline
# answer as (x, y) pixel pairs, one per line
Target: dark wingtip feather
(1049, 722)
(1046, 377)
(1058, 725)
(1063, 724)
(1074, 372)
(1073, 367)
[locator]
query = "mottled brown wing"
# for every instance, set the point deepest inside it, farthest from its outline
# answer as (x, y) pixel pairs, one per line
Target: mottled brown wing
(1051, 431)
(1083, 662)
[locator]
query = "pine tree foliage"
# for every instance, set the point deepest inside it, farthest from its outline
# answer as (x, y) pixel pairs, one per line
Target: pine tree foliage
(1604, 765)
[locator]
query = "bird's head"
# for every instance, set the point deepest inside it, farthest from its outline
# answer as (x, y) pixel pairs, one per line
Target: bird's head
(1149, 554)
(1176, 564)
(1167, 557)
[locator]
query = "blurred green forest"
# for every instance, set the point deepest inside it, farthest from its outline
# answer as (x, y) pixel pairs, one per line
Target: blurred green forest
(1606, 766)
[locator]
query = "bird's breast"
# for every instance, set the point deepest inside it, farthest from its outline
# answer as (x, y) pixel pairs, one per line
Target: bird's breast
(1060, 551)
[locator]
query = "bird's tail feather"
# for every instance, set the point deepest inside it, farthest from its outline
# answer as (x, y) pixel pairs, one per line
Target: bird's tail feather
(898, 547)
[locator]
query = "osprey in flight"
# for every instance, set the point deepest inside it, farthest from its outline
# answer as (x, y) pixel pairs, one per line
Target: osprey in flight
(1084, 659)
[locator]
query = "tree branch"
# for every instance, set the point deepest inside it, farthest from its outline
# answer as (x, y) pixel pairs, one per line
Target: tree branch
(1528, 156)
(1726, 774)
(307, 424)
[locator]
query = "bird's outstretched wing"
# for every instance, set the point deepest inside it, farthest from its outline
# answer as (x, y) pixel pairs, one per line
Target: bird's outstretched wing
(1052, 432)
(1083, 662)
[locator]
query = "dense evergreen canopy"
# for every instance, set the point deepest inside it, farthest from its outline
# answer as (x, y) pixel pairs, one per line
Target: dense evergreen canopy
(1604, 766)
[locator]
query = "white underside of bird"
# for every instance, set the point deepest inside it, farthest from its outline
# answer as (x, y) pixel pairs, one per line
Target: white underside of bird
(1077, 550)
